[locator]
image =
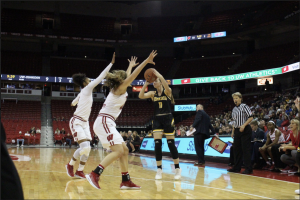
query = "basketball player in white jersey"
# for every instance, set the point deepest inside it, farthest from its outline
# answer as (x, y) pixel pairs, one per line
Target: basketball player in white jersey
(79, 124)
(105, 126)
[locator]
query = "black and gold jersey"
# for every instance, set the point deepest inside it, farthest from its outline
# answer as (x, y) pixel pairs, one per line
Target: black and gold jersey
(162, 104)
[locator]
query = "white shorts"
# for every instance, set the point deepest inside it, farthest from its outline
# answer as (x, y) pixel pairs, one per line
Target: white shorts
(105, 128)
(80, 129)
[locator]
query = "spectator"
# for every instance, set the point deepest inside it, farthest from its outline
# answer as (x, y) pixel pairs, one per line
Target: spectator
(257, 133)
(227, 130)
(20, 138)
(62, 119)
(286, 121)
(124, 136)
(63, 131)
(289, 158)
(54, 118)
(182, 132)
(38, 130)
(288, 110)
(262, 125)
(222, 131)
(58, 138)
(149, 134)
(274, 137)
(69, 139)
(32, 130)
(136, 139)
(57, 131)
(27, 133)
(267, 85)
(129, 142)
(255, 159)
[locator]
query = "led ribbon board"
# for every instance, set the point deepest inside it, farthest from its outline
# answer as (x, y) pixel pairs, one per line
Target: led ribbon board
(236, 77)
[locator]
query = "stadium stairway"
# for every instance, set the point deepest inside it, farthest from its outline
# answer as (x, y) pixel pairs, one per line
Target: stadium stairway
(46, 120)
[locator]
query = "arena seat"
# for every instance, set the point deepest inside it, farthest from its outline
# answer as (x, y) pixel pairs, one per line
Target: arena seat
(17, 62)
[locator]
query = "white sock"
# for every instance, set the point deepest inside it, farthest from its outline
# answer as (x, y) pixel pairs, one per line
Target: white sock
(81, 167)
(273, 163)
(72, 162)
(268, 162)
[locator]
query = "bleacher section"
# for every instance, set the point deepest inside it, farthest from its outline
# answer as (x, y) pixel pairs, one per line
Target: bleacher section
(205, 67)
(275, 12)
(20, 21)
(157, 27)
(17, 62)
(134, 113)
(25, 21)
(86, 26)
(20, 116)
(270, 57)
(213, 109)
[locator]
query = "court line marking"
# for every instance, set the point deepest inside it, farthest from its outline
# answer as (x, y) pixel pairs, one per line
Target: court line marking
(170, 182)
(217, 169)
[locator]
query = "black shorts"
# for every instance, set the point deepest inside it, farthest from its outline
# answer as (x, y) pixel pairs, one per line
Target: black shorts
(164, 123)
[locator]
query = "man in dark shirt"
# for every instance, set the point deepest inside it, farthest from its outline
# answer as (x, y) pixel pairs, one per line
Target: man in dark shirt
(258, 139)
(202, 125)
(63, 131)
(257, 133)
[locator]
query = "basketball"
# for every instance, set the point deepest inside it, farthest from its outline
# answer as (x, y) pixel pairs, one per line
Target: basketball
(149, 76)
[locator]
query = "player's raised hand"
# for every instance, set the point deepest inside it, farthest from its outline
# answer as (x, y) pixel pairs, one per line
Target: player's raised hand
(151, 57)
(132, 62)
(113, 58)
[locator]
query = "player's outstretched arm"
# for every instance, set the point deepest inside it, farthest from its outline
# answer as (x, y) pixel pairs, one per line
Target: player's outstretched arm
(137, 70)
(132, 64)
(142, 94)
(103, 74)
(168, 90)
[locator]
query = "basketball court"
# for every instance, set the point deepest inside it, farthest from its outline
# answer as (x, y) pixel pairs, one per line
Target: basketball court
(43, 176)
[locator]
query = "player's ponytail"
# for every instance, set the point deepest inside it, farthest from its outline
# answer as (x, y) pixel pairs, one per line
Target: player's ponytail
(78, 79)
(115, 79)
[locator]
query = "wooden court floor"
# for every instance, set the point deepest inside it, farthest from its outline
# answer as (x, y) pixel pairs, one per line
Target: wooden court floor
(43, 175)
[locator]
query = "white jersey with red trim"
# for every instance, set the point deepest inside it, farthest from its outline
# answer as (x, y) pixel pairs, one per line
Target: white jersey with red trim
(84, 99)
(113, 104)
(84, 106)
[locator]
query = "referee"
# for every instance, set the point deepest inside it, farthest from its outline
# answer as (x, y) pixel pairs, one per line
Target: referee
(241, 133)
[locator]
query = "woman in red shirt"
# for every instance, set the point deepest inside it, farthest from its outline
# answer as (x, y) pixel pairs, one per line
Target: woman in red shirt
(290, 160)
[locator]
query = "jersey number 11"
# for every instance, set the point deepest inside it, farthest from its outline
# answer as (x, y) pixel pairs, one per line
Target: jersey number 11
(160, 104)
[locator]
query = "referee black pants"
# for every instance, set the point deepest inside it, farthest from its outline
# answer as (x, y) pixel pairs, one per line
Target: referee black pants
(242, 148)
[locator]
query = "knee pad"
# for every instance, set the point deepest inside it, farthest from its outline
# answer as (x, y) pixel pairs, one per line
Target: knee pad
(158, 151)
(173, 149)
(85, 148)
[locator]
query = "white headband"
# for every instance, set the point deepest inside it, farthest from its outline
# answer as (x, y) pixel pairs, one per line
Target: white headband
(271, 122)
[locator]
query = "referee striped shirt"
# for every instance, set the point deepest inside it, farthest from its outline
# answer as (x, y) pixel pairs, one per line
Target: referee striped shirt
(240, 114)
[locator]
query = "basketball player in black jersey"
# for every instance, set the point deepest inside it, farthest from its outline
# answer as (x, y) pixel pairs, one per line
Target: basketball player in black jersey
(163, 122)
